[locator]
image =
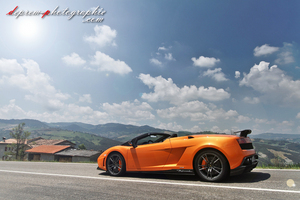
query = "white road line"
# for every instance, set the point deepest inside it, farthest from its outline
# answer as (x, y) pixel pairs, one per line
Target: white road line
(155, 182)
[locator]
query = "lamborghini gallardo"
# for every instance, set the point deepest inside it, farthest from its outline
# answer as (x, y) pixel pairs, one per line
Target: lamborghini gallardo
(212, 157)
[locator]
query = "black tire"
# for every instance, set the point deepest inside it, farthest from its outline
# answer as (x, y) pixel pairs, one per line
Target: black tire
(211, 165)
(115, 164)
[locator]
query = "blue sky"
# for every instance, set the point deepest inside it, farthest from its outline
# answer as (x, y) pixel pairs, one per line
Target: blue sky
(178, 65)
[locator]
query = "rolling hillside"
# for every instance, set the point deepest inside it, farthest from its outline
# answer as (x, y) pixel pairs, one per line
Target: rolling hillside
(273, 149)
(278, 136)
(115, 131)
(277, 152)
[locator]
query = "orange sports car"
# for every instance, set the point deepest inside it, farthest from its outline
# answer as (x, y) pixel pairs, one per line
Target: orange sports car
(211, 157)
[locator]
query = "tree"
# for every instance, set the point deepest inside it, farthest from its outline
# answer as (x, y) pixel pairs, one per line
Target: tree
(81, 146)
(21, 136)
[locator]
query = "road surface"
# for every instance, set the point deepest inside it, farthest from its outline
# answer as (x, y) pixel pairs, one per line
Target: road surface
(50, 180)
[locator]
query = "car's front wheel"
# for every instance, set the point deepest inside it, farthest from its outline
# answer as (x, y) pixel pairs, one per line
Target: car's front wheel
(211, 165)
(115, 164)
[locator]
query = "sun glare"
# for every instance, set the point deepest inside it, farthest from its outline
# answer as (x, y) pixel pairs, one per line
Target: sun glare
(28, 28)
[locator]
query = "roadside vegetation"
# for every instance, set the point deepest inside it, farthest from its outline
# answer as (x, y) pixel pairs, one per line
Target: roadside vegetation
(294, 166)
(17, 150)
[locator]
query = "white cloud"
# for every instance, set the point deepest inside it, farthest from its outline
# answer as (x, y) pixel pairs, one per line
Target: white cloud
(104, 36)
(237, 74)
(194, 129)
(218, 130)
(197, 111)
(68, 113)
(155, 62)
(274, 85)
(85, 98)
(298, 116)
(264, 50)
(205, 61)
(172, 126)
(253, 100)
(128, 111)
(285, 58)
(286, 123)
(169, 57)
(73, 59)
(216, 74)
(242, 119)
(105, 63)
(166, 90)
(286, 55)
(11, 111)
(264, 121)
(162, 48)
(10, 66)
(36, 83)
(284, 127)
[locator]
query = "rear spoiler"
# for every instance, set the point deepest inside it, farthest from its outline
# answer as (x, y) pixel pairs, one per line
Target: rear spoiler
(244, 133)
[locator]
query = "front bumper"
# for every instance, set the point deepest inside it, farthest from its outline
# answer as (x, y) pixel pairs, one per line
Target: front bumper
(248, 163)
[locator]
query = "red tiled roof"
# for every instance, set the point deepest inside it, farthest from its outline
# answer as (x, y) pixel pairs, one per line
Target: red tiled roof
(51, 149)
(41, 141)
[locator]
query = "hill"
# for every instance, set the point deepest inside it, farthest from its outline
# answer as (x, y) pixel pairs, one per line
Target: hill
(122, 132)
(115, 131)
(277, 152)
(29, 122)
(278, 136)
(90, 141)
(273, 149)
(41, 129)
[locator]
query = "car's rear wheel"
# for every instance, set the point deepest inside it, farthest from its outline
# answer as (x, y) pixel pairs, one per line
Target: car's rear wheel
(211, 165)
(115, 164)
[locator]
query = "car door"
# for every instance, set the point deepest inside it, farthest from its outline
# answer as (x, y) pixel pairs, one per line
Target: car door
(149, 155)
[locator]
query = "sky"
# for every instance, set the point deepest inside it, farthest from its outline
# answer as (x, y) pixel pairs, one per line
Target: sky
(194, 66)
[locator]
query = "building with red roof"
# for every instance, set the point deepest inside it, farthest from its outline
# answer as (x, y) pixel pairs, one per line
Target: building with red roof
(46, 152)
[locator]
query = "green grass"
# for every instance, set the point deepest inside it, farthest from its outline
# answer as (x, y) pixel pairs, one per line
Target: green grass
(293, 166)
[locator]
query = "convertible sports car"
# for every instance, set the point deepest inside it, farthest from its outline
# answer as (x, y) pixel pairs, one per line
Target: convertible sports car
(211, 157)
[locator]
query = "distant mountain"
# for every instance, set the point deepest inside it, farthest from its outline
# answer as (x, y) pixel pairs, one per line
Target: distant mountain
(29, 122)
(66, 124)
(122, 132)
(90, 141)
(115, 131)
(74, 127)
(277, 152)
(278, 136)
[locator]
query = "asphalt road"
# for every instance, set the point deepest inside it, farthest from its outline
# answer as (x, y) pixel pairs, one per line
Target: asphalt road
(47, 180)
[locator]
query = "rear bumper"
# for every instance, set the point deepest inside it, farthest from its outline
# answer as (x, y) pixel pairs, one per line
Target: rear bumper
(248, 163)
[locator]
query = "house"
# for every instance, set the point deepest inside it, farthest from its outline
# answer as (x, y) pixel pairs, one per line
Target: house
(46, 152)
(6, 146)
(35, 142)
(75, 155)
(40, 149)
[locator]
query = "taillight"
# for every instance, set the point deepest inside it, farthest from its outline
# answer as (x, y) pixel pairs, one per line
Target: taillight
(244, 140)
(245, 143)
